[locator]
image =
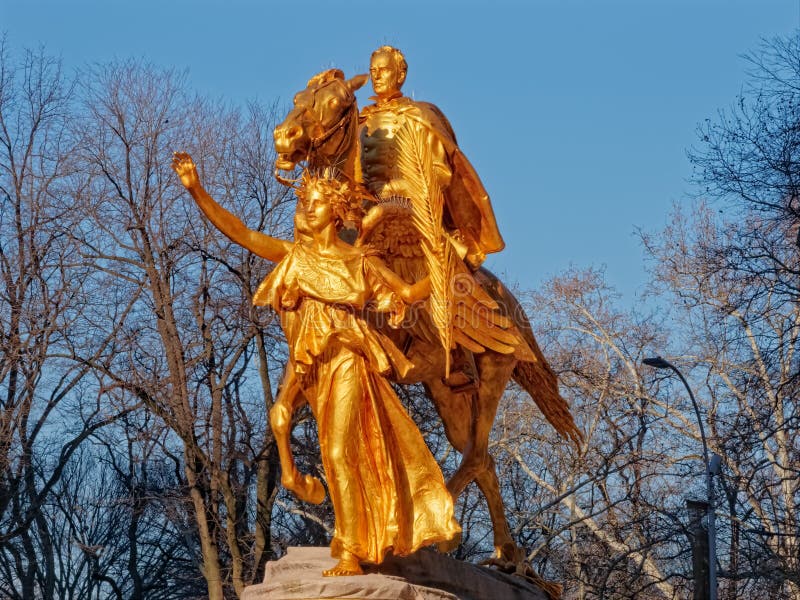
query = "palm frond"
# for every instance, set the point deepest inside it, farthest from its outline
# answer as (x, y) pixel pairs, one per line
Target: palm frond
(415, 161)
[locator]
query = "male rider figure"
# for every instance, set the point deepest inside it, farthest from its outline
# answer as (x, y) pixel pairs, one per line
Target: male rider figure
(467, 216)
(468, 212)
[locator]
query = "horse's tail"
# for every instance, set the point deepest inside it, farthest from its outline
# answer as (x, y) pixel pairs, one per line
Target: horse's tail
(536, 378)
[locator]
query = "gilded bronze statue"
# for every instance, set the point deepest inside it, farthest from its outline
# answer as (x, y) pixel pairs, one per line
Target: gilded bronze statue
(429, 217)
(399, 225)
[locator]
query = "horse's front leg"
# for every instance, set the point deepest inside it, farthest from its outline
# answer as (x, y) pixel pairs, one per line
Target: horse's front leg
(290, 398)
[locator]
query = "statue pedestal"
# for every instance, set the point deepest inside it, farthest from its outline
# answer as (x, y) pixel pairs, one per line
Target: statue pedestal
(425, 575)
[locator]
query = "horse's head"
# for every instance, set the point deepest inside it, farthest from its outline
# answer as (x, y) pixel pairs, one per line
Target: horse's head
(314, 129)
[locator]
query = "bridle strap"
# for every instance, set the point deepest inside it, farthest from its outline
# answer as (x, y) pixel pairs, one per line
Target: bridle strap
(317, 142)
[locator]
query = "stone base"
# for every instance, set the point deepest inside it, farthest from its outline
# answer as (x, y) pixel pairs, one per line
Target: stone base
(425, 575)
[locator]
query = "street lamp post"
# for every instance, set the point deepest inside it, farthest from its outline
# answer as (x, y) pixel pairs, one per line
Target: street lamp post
(712, 466)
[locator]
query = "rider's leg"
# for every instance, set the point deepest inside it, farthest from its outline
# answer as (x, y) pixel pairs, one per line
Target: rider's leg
(463, 372)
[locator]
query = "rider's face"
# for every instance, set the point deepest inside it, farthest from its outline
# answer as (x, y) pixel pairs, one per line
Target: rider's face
(386, 75)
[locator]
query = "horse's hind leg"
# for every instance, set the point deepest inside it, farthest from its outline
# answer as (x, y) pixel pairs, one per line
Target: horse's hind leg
(484, 472)
(476, 465)
(290, 398)
(505, 548)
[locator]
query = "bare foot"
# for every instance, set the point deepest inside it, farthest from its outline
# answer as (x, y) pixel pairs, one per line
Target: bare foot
(347, 565)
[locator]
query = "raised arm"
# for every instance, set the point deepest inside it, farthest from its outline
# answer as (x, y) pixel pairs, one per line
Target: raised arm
(264, 245)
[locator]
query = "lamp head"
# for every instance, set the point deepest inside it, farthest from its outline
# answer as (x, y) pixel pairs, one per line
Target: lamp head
(657, 362)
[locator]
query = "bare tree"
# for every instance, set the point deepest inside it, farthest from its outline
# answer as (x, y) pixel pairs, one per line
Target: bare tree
(732, 274)
(191, 348)
(610, 522)
(741, 336)
(749, 158)
(47, 406)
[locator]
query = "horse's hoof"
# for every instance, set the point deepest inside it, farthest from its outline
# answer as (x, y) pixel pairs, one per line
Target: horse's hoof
(510, 552)
(306, 488)
(310, 490)
(508, 558)
(521, 568)
(499, 564)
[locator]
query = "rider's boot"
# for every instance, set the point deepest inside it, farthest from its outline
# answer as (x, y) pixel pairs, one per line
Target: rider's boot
(463, 372)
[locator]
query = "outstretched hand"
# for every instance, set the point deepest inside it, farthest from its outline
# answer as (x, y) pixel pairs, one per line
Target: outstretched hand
(184, 166)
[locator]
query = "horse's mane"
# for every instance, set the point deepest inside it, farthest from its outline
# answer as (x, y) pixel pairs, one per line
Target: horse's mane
(325, 77)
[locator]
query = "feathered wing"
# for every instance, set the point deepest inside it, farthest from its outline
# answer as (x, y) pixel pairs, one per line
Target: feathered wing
(415, 161)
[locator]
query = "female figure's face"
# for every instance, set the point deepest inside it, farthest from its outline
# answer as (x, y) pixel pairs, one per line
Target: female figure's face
(319, 213)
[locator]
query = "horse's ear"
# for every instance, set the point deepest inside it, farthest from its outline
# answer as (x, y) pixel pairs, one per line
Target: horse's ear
(356, 82)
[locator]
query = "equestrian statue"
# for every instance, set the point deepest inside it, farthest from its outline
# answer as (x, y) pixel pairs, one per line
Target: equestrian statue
(383, 283)
(427, 214)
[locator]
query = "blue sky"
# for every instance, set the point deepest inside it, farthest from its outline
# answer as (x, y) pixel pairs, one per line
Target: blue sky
(576, 114)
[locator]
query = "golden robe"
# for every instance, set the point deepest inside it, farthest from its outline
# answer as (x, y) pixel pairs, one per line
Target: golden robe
(386, 488)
